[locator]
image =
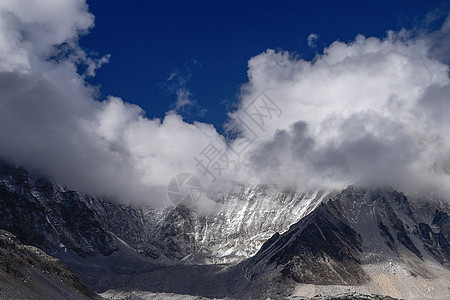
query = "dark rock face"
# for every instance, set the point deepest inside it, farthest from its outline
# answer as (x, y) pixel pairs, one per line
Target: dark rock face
(326, 252)
(320, 249)
(48, 217)
(26, 272)
(435, 237)
(328, 245)
(397, 222)
(176, 239)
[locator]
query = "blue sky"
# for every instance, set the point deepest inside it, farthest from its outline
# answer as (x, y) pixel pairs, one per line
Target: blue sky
(208, 44)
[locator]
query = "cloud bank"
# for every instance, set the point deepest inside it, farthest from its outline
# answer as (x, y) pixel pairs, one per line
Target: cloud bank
(52, 123)
(373, 111)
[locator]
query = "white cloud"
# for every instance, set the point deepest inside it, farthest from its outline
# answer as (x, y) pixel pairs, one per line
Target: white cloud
(29, 29)
(50, 121)
(371, 111)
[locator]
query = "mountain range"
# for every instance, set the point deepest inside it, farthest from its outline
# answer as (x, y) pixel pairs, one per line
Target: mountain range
(258, 243)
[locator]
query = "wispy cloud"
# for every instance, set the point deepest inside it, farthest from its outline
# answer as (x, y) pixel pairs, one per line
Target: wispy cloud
(183, 99)
(177, 84)
(312, 40)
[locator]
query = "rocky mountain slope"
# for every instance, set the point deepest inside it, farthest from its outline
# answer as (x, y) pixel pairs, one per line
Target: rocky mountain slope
(373, 239)
(26, 272)
(362, 240)
(258, 243)
(51, 217)
(244, 220)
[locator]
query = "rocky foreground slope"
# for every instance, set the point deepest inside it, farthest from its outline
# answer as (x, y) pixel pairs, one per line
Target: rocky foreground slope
(26, 272)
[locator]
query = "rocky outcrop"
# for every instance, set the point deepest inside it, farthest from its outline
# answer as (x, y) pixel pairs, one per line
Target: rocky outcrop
(26, 272)
(436, 237)
(47, 216)
(320, 249)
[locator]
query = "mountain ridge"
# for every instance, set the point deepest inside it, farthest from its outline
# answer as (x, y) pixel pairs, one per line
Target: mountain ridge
(263, 243)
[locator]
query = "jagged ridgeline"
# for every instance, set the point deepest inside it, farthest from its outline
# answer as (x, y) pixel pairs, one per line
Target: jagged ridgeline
(259, 243)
